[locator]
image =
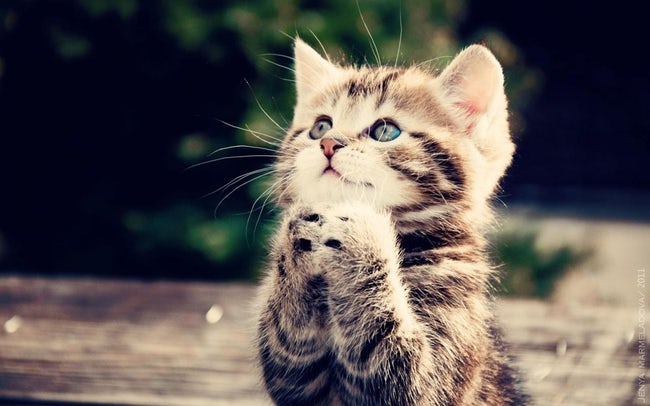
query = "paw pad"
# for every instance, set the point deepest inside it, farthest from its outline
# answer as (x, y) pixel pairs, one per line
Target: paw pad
(312, 218)
(332, 243)
(302, 244)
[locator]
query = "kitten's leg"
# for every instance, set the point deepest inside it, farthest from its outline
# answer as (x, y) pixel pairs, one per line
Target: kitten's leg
(388, 348)
(291, 330)
(380, 349)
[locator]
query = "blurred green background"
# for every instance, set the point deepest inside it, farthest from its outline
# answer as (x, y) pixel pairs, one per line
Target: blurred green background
(107, 107)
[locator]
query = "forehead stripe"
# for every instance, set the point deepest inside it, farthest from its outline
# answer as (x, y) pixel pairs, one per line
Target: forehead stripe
(297, 132)
(366, 84)
(384, 85)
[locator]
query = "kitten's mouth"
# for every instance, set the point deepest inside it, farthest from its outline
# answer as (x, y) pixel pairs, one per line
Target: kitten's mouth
(331, 171)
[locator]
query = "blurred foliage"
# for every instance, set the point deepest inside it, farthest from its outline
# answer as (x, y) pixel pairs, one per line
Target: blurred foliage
(527, 268)
(423, 32)
(165, 43)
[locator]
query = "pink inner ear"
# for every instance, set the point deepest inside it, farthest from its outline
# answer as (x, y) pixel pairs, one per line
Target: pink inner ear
(470, 107)
(469, 84)
(471, 110)
(475, 92)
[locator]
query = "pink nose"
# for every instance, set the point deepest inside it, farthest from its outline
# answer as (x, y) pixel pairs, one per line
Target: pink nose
(329, 146)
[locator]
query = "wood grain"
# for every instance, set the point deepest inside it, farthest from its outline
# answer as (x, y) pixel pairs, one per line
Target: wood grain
(149, 343)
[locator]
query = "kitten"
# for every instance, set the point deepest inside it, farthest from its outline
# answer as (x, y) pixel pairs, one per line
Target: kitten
(377, 289)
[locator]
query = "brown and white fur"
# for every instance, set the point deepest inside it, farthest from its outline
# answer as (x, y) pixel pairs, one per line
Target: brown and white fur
(377, 290)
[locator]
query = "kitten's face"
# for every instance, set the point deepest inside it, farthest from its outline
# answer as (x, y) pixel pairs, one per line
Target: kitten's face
(394, 138)
(344, 144)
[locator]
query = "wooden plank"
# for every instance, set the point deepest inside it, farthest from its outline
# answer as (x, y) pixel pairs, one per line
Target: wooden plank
(575, 354)
(126, 342)
(150, 343)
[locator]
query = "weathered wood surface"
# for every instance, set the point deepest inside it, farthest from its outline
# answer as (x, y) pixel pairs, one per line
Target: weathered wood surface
(150, 343)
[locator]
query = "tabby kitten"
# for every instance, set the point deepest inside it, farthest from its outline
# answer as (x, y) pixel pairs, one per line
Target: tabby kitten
(377, 289)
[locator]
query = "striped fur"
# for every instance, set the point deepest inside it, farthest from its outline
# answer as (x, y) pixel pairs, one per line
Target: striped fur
(377, 288)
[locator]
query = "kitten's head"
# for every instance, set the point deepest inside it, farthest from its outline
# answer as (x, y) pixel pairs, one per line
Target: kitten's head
(398, 138)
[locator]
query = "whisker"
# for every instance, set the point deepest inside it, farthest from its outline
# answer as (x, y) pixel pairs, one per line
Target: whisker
(256, 134)
(287, 35)
(280, 65)
(374, 48)
(258, 199)
(262, 108)
(237, 179)
(429, 61)
(276, 142)
(210, 161)
(321, 44)
(399, 43)
(286, 122)
(268, 192)
(286, 178)
(249, 181)
(241, 146)
(278, 55)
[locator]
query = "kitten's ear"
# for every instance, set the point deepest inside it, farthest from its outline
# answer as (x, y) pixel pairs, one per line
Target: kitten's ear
(472, 89)
(311, 69)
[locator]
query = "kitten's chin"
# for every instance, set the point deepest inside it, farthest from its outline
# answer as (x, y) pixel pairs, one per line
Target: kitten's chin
(370, 183)
(330, 187)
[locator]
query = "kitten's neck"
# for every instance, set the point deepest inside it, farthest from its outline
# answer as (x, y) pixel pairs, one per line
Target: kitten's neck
(456, 227)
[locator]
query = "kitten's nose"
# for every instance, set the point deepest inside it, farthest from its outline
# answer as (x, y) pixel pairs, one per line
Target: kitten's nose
(329, 146)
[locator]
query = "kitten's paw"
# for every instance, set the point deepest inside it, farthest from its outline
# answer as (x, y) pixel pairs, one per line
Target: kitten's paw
(304, 227)
(348, 236)
(355, 233)
(302, 231)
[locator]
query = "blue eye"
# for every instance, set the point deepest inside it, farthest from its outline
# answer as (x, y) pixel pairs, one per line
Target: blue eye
(384, 131)
(321, 126)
